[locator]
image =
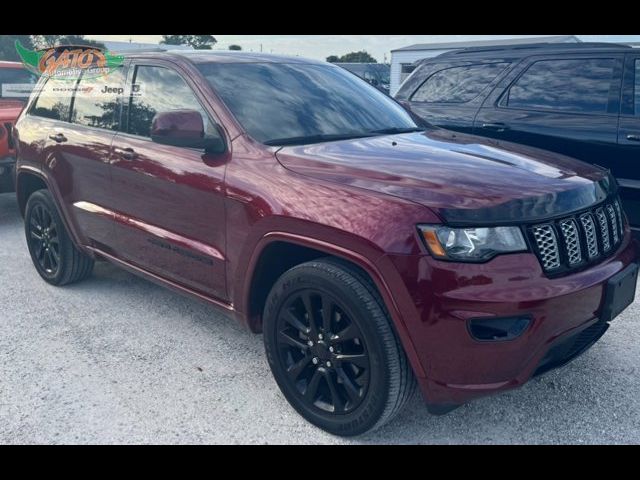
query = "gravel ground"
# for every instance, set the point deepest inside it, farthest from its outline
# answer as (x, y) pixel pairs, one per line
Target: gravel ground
(117, 359)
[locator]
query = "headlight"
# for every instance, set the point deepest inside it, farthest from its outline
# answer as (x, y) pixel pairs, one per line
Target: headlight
(471, 244)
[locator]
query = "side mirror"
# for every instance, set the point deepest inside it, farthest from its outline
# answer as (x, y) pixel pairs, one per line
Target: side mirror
(183, 128)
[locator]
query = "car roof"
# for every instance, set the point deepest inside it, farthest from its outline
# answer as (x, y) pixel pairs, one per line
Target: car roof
(222, 56)
(7, 64)
(528, 49)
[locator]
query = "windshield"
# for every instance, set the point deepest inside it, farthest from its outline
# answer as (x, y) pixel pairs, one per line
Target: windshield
(287, 104)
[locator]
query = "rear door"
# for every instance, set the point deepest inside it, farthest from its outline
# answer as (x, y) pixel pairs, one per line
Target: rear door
(566, 104)
(449, 96)
(85, 155)
(73, 154)
(627, 169)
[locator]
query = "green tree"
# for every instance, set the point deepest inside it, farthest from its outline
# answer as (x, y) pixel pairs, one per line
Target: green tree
(235, 47)
(8, 46)
(199, 42)
(353, 57)
(358, 57)
(48, 41)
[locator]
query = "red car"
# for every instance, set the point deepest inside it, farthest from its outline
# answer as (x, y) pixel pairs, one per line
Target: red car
(370, 250)
(10, 108)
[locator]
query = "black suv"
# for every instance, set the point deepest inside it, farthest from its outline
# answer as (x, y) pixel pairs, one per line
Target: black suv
(581, 99)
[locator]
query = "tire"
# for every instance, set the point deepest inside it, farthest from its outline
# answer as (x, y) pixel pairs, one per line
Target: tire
(332, 349)
(54, 255)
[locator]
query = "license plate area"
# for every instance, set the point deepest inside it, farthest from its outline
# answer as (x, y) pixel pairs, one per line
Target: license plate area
(619, 292)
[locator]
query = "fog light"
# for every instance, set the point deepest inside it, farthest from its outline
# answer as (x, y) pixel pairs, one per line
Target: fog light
(492, 329)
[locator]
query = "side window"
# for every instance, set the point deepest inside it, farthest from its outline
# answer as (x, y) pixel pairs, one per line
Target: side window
(96, 100)
(578, 85)
(54, 100)
(457, 84)
(636, 88)
(405, 70)
(161, 90)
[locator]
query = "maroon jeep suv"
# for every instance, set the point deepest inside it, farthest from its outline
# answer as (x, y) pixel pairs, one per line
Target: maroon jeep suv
(373, 252)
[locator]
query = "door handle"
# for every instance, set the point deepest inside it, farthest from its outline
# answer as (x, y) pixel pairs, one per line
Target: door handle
(126, 153)
(633, 138)
(58, 138)
(496, 127)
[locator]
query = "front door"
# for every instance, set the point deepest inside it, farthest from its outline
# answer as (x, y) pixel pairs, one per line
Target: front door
(627, 170)
(169, 201)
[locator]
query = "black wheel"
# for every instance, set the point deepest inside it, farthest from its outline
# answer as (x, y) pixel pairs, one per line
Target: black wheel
(54, 255)
(332, 350)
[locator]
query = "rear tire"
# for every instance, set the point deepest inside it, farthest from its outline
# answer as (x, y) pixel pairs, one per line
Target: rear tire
(54, 255)
(332, 349)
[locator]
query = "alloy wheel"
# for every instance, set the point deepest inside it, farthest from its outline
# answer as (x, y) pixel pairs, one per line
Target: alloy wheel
(44, 240)
(323, 352)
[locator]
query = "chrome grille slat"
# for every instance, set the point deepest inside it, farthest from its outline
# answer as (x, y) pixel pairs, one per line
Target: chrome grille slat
(571, 242)
(619, 216)
(604, 229)
(614, 223)
(589, 229)
(547, 246)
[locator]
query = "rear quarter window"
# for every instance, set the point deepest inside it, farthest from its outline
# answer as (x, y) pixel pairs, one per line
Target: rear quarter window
(564, 85)
(54, 100)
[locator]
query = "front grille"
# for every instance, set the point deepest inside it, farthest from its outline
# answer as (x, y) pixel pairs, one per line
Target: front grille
(572, 242)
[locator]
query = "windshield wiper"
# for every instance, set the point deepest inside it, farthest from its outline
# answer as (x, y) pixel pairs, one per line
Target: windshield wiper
(303, 140)
(394, 130)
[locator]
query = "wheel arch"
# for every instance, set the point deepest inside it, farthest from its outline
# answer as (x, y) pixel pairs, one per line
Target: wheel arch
(261, 274)
(29, 180)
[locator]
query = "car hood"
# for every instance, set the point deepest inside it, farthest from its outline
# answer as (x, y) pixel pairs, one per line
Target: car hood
(465, 179)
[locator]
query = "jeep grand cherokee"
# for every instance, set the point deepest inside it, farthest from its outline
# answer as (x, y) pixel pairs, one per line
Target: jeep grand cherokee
(370, 250)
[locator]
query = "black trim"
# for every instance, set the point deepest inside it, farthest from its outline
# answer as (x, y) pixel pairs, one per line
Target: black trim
(571, 348)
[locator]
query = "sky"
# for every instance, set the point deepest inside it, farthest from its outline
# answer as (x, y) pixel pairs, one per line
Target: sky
(321, 46)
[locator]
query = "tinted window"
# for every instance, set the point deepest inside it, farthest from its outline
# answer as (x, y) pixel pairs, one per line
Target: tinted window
(564, 85)
(405, 70)
(275, 101)
(54, 100)
(96, 100)
(162, 90)
(636, 88)
(457, 84)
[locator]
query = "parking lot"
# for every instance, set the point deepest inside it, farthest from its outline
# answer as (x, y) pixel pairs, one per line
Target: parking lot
(117, 359)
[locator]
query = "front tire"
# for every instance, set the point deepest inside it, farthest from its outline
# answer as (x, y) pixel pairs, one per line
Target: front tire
(54, 255)
(332, 350)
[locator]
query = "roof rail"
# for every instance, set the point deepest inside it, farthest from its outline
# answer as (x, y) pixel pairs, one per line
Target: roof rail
(537, 46)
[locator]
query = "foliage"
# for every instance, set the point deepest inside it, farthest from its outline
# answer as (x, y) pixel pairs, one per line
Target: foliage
(48, 41)
(352, 57)
(8, 47)
(199, 42)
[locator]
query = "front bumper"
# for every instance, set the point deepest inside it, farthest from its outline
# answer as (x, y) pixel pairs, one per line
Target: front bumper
(446, 295)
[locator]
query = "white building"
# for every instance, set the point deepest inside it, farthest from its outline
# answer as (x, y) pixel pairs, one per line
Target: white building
(122, 47)
(402, 59)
